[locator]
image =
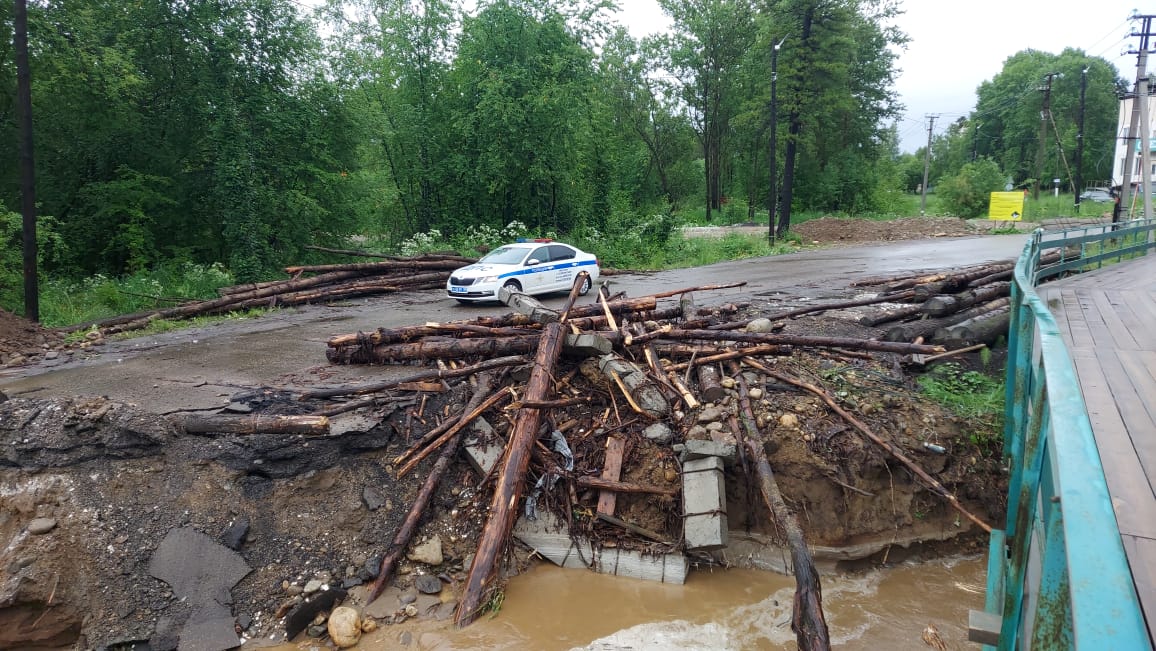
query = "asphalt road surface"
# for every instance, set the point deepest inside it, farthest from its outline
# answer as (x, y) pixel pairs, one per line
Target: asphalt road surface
(199, 368)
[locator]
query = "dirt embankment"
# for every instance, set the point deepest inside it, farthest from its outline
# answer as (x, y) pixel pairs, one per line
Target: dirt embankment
(91, 490)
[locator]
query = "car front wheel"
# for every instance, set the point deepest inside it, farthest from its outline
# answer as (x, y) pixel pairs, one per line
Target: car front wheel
(586, 285)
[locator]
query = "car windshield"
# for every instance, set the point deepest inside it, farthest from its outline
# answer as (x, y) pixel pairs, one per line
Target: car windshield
(505, 255)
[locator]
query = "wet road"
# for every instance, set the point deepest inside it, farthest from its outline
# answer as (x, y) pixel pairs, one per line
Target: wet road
(200, 368)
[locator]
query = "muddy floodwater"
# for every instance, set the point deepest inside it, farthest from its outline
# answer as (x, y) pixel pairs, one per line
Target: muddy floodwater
(550, 608)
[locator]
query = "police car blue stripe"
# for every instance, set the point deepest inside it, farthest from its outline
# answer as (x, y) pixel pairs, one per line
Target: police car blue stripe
(541, 269)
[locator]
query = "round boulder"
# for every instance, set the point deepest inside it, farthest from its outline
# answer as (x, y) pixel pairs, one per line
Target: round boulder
(344, 627)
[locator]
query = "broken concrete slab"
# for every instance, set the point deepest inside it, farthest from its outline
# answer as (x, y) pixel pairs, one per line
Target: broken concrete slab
(483, 449)
(548, 536)
(695, 449)
(203, 573)
(704, 504)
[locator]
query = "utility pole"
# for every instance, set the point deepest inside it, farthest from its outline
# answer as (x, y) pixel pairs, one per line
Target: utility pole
(1045, 111)
(773, 194)
(975, 141)
(27, 170)
(1079, 183)
(1138, 122)
(926, 165)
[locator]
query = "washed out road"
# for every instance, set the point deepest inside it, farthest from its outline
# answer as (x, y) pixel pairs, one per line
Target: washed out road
(199, 368)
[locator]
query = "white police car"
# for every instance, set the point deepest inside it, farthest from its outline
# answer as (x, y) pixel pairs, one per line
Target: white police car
(531, 267)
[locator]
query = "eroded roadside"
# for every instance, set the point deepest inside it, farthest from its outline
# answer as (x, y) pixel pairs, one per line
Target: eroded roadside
(114, 481)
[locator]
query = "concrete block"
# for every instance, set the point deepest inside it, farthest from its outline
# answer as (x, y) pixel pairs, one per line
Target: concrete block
(705, 532)
(587, 345)
(665, 568)
(704, 504)
(694, 449)
(483, 449)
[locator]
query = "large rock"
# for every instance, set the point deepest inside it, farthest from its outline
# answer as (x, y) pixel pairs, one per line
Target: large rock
(344, 627)
(429, 552)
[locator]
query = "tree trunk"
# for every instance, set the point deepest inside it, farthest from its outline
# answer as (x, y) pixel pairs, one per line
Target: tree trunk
(503, 508)
(796, 340)
(252, 424)
(807, 620)
(943, 305)
(928, 327)
(983, 329)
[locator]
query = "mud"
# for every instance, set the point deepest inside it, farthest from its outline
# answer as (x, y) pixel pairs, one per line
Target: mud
(115, 478)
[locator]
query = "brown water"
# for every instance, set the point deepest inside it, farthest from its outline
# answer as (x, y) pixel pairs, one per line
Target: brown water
(550, 608)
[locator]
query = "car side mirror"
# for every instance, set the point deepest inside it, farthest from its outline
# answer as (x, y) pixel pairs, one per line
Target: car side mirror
(532, 261)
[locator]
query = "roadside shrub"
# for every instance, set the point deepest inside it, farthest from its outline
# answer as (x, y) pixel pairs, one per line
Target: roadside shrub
(967, 194)
(50, 250)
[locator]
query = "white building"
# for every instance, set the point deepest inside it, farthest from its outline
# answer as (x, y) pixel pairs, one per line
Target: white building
(1122, 143)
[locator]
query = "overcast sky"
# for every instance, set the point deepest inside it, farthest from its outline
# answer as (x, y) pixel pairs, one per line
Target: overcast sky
(955, 46)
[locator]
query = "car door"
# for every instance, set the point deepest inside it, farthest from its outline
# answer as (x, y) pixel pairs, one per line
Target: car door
(564, 265)
(536, 280)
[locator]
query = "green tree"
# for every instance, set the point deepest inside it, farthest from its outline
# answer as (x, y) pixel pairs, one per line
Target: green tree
(968, 193)
(705, 52)
(1008, 108)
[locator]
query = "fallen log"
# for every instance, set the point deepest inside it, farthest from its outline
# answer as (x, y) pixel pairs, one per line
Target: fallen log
(225, 303)
(983, 329)
(811, 309)
(642, 393)
(943, 305)
(798, 340)
(432, 374)
(432, 348)
(410, 333)
(621, 487)
(895, 314)
(391, 267)
(503, 507)
(417, 508)
(928, 327)
(761, 349)
(826, 397)
(251, 424)
(807, 620)
(956, 281)
(611, 473)
(709, 384)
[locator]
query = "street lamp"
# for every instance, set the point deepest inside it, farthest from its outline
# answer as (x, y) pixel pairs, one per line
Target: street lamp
(773, 198)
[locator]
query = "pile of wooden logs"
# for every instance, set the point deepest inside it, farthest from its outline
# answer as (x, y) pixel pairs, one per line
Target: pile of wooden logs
(964, 307)
(306, 284)
(638, 361)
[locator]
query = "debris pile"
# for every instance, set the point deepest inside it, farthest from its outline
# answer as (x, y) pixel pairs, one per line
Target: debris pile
(630, 436)
(608, 388)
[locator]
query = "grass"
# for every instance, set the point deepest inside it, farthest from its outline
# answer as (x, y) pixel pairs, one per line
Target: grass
(70, 302)
(977, 399)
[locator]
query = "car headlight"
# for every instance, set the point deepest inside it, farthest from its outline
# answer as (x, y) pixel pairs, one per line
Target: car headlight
(489, 279)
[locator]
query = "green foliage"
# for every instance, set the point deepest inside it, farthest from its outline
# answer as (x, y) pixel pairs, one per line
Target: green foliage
(50, 250)
(977, 399)
(68, 302)
(968, 193)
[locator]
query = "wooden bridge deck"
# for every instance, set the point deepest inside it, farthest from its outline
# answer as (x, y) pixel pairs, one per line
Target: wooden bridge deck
(1108, 321)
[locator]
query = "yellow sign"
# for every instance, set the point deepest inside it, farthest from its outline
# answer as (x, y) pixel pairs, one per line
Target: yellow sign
(1006, 206)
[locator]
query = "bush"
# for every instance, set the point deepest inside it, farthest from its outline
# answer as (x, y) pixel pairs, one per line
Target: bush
(50, 249)
(967, 193)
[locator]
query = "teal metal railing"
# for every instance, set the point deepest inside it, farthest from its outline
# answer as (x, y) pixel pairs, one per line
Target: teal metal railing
(1057, 573)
